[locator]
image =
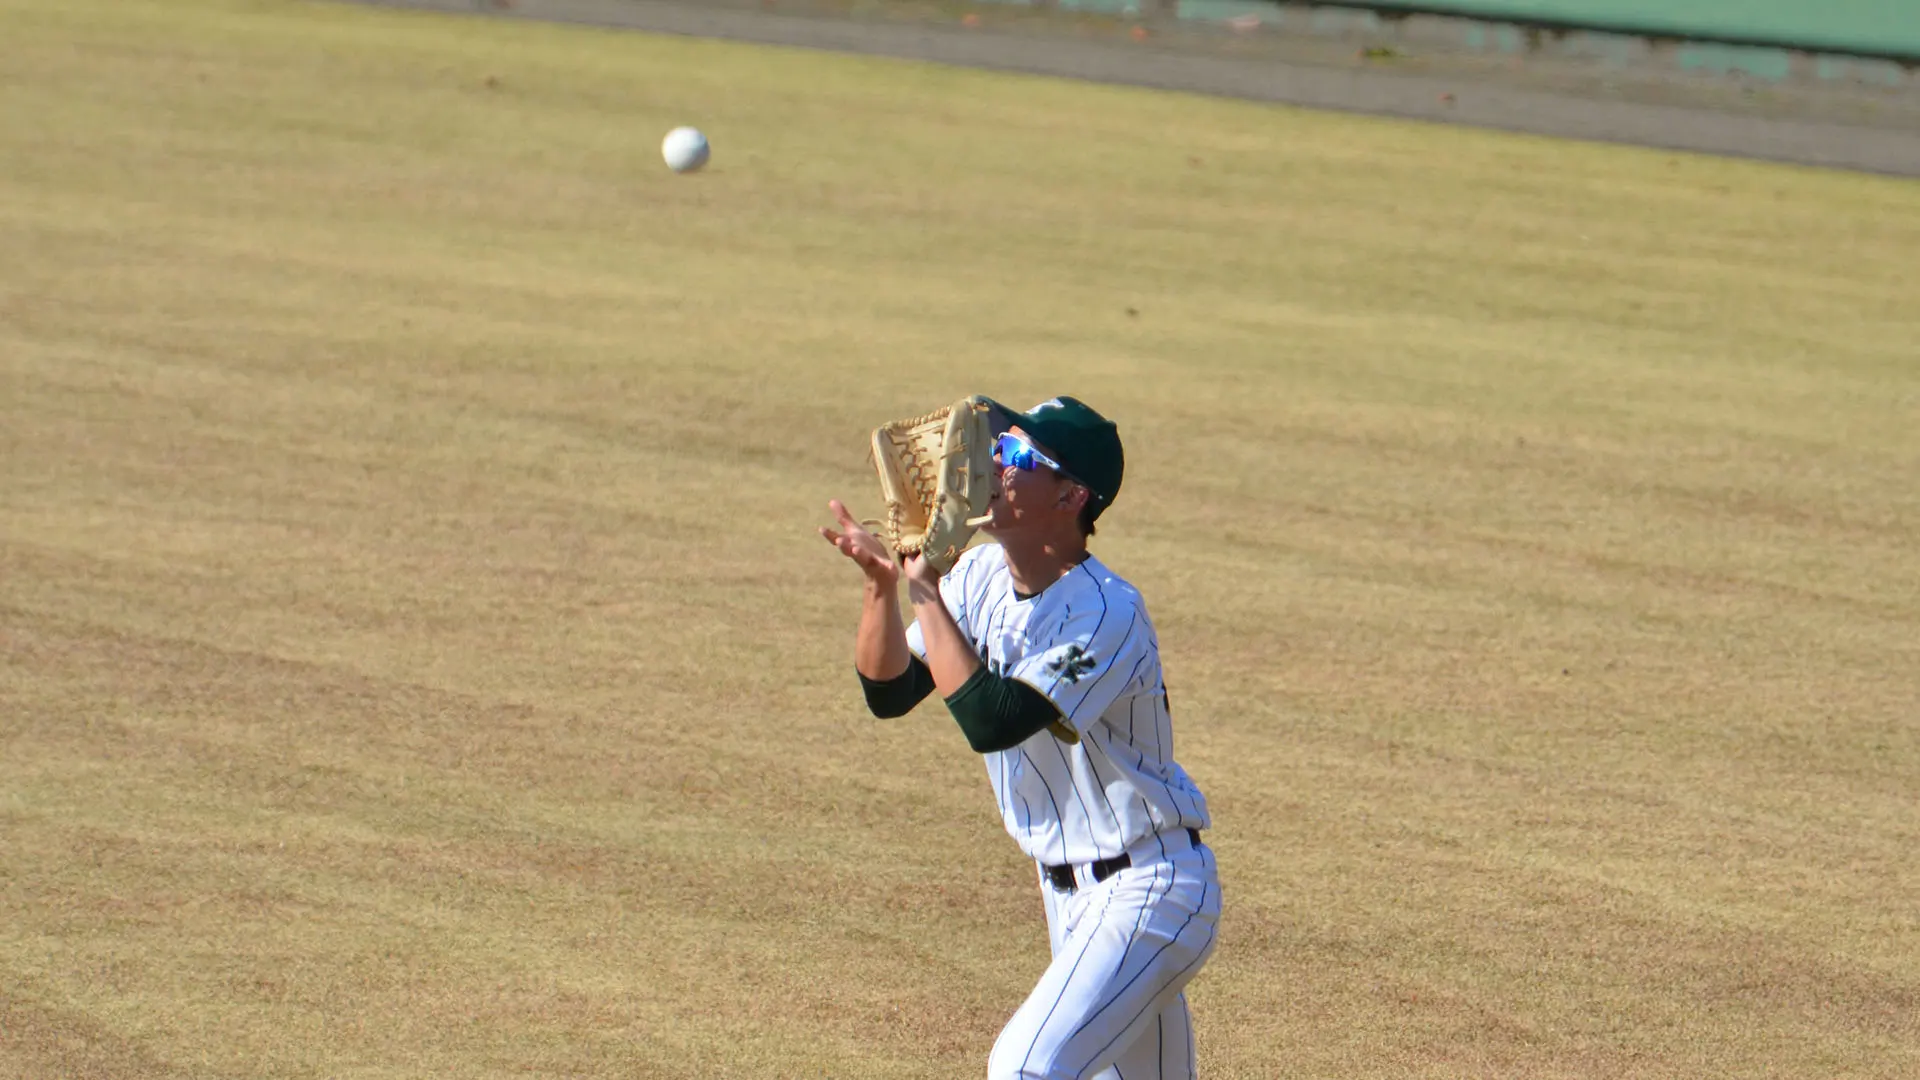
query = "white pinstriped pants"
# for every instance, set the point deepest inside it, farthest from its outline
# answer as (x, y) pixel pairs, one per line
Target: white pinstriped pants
(1110, 1006)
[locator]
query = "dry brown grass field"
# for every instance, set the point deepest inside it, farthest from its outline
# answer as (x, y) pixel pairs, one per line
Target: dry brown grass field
(419, 660)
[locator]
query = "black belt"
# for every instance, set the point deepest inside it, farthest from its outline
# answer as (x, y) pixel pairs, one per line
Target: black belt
(1061, 876)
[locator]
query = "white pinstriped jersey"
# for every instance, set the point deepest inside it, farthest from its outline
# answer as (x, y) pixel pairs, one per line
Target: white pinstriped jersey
(1086, 643)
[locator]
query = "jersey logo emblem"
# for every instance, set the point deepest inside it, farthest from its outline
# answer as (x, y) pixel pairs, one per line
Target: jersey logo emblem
(1072, 664)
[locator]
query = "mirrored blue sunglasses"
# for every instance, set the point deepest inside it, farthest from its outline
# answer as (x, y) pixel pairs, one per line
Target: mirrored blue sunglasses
(1011, 449)
(1019, 453)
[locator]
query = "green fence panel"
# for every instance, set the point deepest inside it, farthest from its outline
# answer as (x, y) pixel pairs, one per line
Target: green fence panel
(1872, 27)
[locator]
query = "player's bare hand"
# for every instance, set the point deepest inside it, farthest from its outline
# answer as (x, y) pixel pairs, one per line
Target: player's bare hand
(868, 551)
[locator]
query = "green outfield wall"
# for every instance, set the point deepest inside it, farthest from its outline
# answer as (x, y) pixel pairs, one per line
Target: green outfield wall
(1882, 28)
(1866, 27)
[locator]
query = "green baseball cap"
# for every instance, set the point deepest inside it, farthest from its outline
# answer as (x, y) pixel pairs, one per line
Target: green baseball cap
(1085, 443)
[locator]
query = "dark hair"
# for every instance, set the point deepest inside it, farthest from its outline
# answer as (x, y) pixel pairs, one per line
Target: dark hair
(1088, 511)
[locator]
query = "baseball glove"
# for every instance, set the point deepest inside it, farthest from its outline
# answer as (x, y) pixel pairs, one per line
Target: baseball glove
(936, 475)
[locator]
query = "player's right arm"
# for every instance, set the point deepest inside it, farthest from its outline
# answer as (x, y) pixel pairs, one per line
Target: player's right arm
(893, 678)
(880, 645)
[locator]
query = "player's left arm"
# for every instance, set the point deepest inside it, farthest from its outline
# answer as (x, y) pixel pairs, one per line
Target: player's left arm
(995, 713)
(949, 654)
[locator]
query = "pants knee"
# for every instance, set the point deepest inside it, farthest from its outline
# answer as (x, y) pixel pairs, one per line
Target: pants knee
(1023, 1062)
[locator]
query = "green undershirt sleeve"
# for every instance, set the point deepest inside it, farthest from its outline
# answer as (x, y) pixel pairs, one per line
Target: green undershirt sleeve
(888, 698)
(998, 713)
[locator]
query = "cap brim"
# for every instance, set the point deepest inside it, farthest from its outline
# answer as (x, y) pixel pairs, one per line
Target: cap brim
(1003, 416)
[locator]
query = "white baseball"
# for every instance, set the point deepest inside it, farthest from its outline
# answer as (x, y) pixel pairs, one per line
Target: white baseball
(685, 149)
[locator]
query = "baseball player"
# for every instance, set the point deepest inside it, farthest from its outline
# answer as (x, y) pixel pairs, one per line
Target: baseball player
(1050, 666)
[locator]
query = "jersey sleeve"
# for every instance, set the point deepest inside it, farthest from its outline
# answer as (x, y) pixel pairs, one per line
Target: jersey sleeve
(1089, 659)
